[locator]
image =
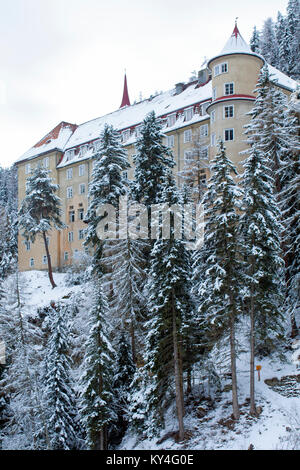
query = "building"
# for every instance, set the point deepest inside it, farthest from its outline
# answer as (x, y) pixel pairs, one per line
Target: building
(194, 116)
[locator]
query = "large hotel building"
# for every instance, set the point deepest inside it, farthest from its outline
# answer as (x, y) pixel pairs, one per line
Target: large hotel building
(194, 116)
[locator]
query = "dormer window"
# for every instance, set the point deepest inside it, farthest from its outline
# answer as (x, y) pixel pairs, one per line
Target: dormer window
(138, 131)
(125, 135)
(97, 145)
(70, 154)
(188, 114)
(171, 119)
(203, 108)
(83, 150)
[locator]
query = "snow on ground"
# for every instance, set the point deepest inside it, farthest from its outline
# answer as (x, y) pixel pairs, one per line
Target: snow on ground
(37, 291)
(277, 427)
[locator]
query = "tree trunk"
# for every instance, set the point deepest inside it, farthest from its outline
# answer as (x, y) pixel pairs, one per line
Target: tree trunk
(235, 403)
(178, 377)
(252, 344)
(49, 262)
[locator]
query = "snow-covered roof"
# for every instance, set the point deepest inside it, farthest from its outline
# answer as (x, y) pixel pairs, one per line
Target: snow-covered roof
(54, 140)
(281, 79)
(236, 44)
(129, 116)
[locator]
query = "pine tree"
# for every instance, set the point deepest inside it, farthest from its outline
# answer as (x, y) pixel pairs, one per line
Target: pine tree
(255, 41)
(292, 38)
(40, 210)
(125, 370)
(106, 187)
(59, 394)
(169, 305)
(219, 287)
(97, 409)
(127, 260)
(151, 162)
(260, 228)
(269, 48)
(289, 202)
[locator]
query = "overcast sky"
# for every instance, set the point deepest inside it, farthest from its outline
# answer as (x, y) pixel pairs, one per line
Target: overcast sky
(64, 60)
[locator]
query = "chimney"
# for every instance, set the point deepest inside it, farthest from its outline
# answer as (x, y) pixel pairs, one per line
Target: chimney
(179, 88)
(203, 76)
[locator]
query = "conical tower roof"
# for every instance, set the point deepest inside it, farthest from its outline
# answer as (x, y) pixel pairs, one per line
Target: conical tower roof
(125, 99)
(236, 44)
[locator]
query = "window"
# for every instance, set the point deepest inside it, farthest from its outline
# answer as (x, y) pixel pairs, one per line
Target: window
(82, 188)
(44, 260)
(213, 140)
(124, 175)
(80, 214)
(203, 108)
(171, 119)
(83, 150)
(70, 154)
(47, 241)
(69, 173)
(80, 234)
(81, 170)
(229, 88)
(70, 192)
(188, 156)
(170, 141)
(70, 236)
(27, 169)
(202, 177)
(125, 135)
(66, 255)
(46, 162)
(213, 116)
(204, 153)
(27, 245)
(188, 114)
(214, 93)
(71, 216)
(187, 136)
(138, 131)
(97, 145)
(31, 262)
(228, 134)
(228, 111)
(221, 68)
(204, 130)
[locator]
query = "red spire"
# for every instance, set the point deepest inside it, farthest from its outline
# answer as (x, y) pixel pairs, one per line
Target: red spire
(125, 99)
(236, 32)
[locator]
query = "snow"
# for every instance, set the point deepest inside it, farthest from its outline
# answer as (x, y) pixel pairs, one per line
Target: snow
(281, 78)
(235, 44)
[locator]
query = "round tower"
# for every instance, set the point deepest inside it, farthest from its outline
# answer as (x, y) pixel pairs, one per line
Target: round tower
(234, 77)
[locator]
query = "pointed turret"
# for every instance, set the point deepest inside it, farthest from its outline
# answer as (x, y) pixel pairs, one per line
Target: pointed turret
(125, 99)
(236, 43)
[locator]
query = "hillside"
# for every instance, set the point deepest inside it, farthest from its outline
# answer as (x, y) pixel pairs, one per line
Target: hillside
(208, 413)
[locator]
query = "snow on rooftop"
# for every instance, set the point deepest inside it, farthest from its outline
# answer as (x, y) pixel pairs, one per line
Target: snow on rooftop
(54, 140)
(236, 43)
(162, 104)
(281, 78)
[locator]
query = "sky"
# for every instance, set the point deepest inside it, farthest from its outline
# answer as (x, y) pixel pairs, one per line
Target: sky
(64, 60)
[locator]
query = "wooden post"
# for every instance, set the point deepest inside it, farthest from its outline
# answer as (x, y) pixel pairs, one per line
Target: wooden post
(258, 368)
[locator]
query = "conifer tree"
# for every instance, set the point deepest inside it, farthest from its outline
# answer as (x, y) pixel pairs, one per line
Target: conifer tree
(151, 162)
(125, 370)
(97, 409)
(106, 187)
(255, 41)
(59, 393)
(292, 38)
(168, 308)
(260, 228)
(221, 268)
(268, 43)
(40, 210)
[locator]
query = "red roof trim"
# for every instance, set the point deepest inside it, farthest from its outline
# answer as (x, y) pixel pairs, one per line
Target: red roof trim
(228, 97)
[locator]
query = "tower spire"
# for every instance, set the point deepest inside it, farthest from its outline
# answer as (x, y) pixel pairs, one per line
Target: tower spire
(125, 99)
(236, 32)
